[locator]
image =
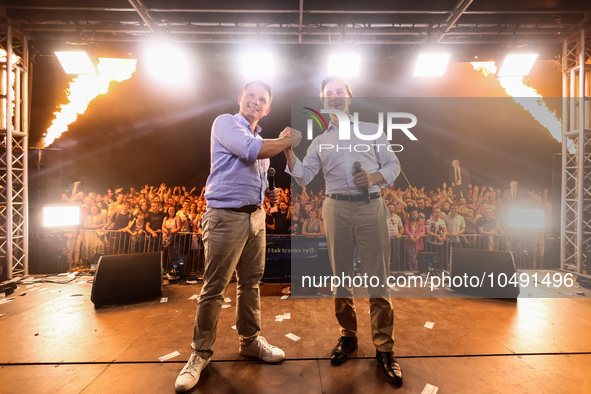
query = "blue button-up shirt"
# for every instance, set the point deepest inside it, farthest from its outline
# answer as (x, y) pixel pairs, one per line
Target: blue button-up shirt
(337, 164)
(237, 178)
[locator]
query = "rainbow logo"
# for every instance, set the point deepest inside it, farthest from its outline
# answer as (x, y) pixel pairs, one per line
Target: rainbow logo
(317, 117)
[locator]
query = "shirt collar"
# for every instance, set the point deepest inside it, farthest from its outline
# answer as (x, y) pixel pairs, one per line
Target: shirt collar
(244, 122)
(332, 126)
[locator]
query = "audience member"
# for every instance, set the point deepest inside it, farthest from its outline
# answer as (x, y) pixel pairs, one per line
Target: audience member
(414, 228)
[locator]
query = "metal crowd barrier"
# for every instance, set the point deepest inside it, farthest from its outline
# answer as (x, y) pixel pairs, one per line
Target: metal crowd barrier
(91, 244)
(84, 246)
(527, 250)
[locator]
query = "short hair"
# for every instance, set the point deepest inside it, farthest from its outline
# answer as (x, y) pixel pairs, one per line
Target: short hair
(261, 84)
(332, 78)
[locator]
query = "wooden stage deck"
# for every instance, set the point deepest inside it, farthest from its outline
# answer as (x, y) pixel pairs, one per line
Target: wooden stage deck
(55, 341)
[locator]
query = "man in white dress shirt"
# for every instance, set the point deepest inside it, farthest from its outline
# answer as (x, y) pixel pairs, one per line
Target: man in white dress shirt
(354, 217)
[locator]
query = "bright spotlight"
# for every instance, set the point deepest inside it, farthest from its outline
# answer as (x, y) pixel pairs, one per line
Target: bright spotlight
(517, 65)
(526, 218)
(431, 64)
(257, 65)
(344, 65)
(61, 216)
(167, 63)
(76, 63)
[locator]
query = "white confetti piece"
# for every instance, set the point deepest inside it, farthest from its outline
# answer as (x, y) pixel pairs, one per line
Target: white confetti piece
(194, 297)
(163, 300)
(429, 324)
(2, 314)
(430, 389)
(287, 315)
(293, 337)
(284, 297)
(226, 306)
(169, 356)
(233, 327)
(191, 282)
(227, 300)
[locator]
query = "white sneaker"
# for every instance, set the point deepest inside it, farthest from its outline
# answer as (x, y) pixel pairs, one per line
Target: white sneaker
(261, 349)
(191, 372)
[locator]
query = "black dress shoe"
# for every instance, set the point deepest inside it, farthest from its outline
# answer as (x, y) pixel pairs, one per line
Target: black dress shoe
(390, 366)
(340, 353)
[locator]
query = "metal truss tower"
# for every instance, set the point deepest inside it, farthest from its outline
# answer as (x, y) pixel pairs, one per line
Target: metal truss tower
(575, 247)
(14, 127)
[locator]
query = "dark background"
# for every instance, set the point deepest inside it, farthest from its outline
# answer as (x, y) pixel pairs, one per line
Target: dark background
(144, 132)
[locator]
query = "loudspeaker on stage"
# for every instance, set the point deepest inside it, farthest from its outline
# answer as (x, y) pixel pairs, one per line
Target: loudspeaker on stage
(127, 277)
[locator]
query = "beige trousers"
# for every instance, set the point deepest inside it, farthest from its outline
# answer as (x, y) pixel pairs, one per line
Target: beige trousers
(363, 225)
(233, 241)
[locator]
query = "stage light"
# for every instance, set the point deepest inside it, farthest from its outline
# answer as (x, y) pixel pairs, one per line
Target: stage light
(517, 65)
(344, 64)
(167, 63)
(76, 63)
(257, 64)
(61, 216)
(431, 64)
(526, 218)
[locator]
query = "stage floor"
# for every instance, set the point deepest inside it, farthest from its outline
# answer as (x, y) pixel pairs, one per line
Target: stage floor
(55, 341)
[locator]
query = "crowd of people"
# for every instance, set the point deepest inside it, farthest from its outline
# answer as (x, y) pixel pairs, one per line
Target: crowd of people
(155, 218)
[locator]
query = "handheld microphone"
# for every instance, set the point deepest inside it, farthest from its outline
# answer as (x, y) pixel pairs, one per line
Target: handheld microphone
(271, 180)
(357, 170)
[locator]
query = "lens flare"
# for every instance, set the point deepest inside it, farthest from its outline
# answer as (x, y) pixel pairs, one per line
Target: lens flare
(85, 88)
(527, 218)
(522, 95)
(61, 216)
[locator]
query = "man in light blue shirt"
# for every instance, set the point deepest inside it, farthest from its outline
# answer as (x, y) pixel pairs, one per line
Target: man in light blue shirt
(234, 230)
(354, 218)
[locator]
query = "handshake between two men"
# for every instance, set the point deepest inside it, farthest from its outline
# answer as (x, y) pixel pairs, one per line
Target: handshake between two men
(295, 135)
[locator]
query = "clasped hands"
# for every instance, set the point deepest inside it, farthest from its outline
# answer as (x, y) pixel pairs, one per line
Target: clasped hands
(295, 135)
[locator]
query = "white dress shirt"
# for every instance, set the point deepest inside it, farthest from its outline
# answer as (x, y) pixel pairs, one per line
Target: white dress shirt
(337, 164)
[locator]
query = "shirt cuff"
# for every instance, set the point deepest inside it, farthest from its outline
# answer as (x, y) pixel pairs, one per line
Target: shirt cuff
(388, 178)
(298, 169)
(254, 148)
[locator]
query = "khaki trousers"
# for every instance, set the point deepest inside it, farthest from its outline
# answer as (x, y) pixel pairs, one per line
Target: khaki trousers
(363, 225)
(233, 241)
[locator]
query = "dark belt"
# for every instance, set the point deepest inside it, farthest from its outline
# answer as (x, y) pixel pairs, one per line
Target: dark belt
(245, 209)
(354, 197)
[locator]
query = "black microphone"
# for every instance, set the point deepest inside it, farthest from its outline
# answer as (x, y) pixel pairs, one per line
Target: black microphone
(271, 180)
(357, 170)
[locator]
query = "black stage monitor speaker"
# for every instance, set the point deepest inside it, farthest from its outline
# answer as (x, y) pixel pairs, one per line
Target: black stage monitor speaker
(497, 269)
(127, 277)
